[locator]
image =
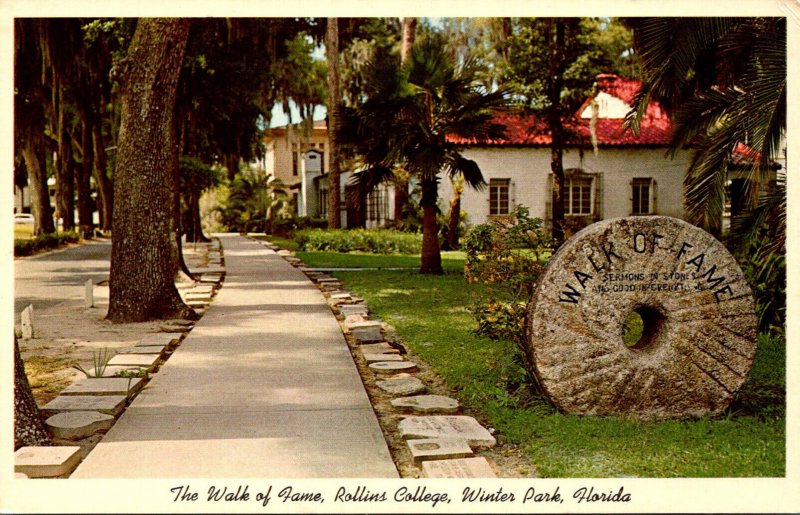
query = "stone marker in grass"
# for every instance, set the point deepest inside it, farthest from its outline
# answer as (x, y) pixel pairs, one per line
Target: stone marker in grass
(447, 426)
(26, 319)
(424, 449)
(159, 339)
(88, 300)
(108, 404)
(392, 367)
(36, 462)
(147, 361)
(373, 358)
(76, 425)
(684, 291)
(427, 404)
(104, 386)
(401, 384)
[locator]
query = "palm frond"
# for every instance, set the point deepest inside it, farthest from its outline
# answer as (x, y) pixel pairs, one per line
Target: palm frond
(770, 213)
(458, 165)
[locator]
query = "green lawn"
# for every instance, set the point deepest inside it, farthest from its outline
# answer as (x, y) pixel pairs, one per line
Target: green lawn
(430, 315)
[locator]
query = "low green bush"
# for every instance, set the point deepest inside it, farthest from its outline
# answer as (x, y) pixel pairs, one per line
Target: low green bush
(375, 241)
(27, 247)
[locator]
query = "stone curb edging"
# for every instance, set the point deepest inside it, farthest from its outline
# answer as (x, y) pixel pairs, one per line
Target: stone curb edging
(91, 405)
(440, 444)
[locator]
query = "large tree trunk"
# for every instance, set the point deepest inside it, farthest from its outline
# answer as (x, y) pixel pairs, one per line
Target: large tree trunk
(454, 216)
(85, 207)
(334, 107)
(143, 254)
(401, 181)
(30, 100)
(431, 256)
(192, 224)
(105, 190)
(33, 152)
(557, 65)
(232, 165)
(65, 181)
(29, 429)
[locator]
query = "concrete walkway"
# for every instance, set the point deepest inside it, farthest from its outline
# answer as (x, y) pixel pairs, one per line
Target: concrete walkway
(263, 386)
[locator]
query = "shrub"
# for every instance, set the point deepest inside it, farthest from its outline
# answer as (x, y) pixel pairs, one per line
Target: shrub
(374, 241)
(44, 242)
(765, 270)
(507, 255)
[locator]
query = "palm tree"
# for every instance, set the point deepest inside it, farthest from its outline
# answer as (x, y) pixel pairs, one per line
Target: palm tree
(723, 80)
(410, 110)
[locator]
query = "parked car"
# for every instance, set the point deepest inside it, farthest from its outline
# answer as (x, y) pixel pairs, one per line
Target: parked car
(23, 218)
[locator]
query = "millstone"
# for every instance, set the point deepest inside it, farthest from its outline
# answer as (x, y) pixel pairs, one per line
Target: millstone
(699, 327)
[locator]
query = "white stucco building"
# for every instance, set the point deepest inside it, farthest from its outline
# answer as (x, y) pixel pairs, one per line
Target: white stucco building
(626, 174)
(609, 172)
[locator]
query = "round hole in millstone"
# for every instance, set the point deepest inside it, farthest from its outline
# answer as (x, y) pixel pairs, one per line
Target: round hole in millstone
(698, 323)
(641, 327)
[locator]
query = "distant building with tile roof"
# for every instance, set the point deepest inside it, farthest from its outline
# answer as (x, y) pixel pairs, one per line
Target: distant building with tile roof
(609, 171)
(627, 175)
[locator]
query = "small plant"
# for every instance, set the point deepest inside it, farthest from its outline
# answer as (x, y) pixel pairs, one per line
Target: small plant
(506, 255)
(132, 374)
(765, 270)
(100, 360)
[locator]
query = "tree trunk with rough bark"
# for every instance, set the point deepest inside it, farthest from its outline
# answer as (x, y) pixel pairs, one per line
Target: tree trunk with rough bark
(29, 428)
(144, 248)
(33, 153)
(557, 65)
(401, 181)
(192, 227)
(105, 190)
(334, 109)
(65, 181)
(232, 165)
(454, 216)
(430, 256)
(83, 179)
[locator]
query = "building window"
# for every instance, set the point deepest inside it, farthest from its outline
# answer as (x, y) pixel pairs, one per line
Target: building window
(499, 196)
(642, 196)
(378, 205)
(578, 199)
(323, 203)
(295, 163)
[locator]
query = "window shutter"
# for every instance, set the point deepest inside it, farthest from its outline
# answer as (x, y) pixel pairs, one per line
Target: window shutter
(654, 194)
(598, 197)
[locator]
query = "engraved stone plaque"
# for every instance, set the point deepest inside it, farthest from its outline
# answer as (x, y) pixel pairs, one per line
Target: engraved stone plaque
(446, 426)
(698, 326)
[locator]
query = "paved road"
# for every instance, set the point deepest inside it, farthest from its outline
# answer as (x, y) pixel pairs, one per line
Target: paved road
(263, 386)
(55, 277)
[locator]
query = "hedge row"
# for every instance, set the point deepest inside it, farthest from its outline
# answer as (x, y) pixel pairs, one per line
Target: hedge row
(26, 247)
(374, 241)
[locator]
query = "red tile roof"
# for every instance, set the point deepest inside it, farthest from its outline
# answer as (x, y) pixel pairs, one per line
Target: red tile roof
(528, 130)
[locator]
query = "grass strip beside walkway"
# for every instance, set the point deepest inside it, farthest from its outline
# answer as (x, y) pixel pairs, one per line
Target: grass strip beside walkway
(430, 315)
